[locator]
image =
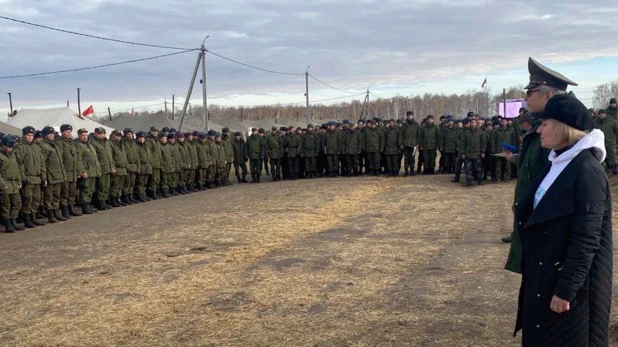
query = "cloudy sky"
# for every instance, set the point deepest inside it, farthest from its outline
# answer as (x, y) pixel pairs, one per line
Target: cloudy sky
(390, 47)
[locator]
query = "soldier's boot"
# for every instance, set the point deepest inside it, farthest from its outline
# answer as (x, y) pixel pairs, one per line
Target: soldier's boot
(28, 222)
(395, 174)
(114, 203)
(59, 216)
(51, 216)
(40, 213)
(456, 179)
(120, 202)
(134, 198)
(141, 198)
(468, 183)
(480, 182)
(15, 226)
(273, 178)
(35, 221)
(405, 174)
(238, 178)
(508, 239)
(86, 209)
(253, 178)
(93, 209)
(615, 169)
(72, 211)
(244, 179)
(65, 212)
(164, 193)
(376, 172)
(8, 226)
(258, 178)
(125, 200)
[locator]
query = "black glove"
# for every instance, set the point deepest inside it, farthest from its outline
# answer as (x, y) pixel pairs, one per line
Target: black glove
(24, 183)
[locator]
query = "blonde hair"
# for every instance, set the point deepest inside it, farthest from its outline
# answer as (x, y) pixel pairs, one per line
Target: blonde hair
(569, 134)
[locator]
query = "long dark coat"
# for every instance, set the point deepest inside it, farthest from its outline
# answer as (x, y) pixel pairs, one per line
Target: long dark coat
(567, 247)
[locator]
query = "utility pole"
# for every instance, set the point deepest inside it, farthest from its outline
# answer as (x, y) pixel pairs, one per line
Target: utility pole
(166, 108)
(307, 93)
(241, 114)
(204, 100)
(200, 59)
(504, 100)
(173, 107)
(79, 106)
(11, 104)
(109, 113)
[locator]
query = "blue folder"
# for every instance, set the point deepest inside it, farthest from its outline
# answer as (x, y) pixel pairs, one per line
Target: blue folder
(509, 148)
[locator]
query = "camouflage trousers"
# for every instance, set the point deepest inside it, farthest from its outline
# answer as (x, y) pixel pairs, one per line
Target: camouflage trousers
(275, 166)
(129, 183)
(310, 164)
(449, 161)
(101, 190)
(373, 162)
(51, 196)
(68, 193)
(408, 159)
(502, 169)
(86, 189)
(351, 163)
(240, 169)
(154, 179)
(256, 166)
(220, 173)
(11, 204)
(430, 158)
(164, 181)
(392, 166)
(116, 185)
(140, 185)
(211, 173)
(293, 165)
(201, 175)
(474, 169)
(332, 163)
(458, 163)
(31, 198)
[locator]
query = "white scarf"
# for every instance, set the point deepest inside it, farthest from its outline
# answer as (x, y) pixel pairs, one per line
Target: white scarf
(595, 140)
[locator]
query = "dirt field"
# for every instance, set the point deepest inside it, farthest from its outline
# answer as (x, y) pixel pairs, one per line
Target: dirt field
(328, 262)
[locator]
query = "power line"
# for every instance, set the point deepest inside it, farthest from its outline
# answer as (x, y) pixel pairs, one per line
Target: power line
(254, 67)
(96, 66)
(90, 36)
(341, 97)
(137, 108)
(329, 86)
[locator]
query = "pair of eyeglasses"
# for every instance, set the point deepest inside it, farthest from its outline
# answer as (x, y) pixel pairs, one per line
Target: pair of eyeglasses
(529, 92)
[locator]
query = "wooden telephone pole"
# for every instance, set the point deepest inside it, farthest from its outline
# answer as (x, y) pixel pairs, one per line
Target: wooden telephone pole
(201, 59)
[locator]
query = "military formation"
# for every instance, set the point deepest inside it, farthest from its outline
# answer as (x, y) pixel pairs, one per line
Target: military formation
(50, 177)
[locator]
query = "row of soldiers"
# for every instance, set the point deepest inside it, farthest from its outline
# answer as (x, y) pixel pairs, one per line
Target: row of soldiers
(44, 174)
(607, 121)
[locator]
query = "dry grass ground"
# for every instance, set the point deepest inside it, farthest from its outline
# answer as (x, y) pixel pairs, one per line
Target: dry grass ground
(328, 262)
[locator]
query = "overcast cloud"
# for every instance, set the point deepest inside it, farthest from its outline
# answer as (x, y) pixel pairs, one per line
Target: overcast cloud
(390, 47)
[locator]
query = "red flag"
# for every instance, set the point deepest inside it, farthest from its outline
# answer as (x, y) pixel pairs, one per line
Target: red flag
(88, 111)
(132, 112)
(484, 83)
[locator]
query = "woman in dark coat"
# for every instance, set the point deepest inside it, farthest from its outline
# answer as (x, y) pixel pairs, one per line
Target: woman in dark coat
(566, 235)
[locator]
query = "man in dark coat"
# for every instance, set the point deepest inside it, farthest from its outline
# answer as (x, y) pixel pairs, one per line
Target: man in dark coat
(240, 159)
(255, 149)
(566, 234)
(609, 127)
(428, 140)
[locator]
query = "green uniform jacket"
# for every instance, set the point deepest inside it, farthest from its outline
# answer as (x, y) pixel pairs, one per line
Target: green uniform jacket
(532, 159)
(609, 127)
(130, 150)
(185, 157)
(502, 135)
(155, 148)
(391, 141)
(119, 157)
(10, 178)
(53, 161)
(374, 141)
(461, 138)
(310, 145)
(449, 140)
(144, 158)
(274, 144)
(30, 161)
(192, 153)
(90, 162)
(226, 140)
(475, 143)
(409, 133)
(428, 138)
(612, 112)
(239, 151)
(352, 142)
(104, 154)
(223, 153)
(70, 159)
(167, 158)
(292, 145)
(213, 152)
(332, 142)
(255, 147)
(203, 157)
(177, 157)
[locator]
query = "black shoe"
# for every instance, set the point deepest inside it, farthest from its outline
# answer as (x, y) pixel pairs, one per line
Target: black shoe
(51, 216)
(86, 209)
(28, 222)
(508, 239)
(238, 179)
(244, 179)
(93, 209)
(34, 221)
(126, 200)
(120, 201)
(65, 212)
(258, 178)
(141, 198)
(8, 226)
(72, 211)
(165, 193)
(114, 203)
(468, 183)
(59, 215)
(15, 226)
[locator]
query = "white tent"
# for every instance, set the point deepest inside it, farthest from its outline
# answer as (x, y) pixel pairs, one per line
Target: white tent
(55, 117)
